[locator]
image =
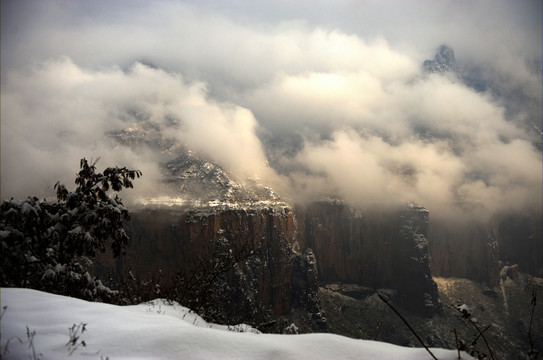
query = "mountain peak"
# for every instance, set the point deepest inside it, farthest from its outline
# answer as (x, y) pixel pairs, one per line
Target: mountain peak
(444, 61)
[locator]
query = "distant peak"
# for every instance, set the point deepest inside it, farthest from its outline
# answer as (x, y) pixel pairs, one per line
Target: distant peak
(445, 55)
(444, 61)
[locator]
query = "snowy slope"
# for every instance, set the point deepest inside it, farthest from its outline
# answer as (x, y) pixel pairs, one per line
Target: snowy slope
(159, 330)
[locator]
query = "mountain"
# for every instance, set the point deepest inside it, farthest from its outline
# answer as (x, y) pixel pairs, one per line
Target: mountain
(519, 102)
(478, 250)
(245, 255)
(444, 61)
(372, 249)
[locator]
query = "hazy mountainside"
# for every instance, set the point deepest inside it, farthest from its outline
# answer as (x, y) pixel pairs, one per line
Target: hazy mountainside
(320, 266)
(240, 235)
(520, 241)
(486, 80)
(478, 251)
(186, 178)
(443, 61)
(267, 258)
(377, 250)
(211, 214)
(201, 180)
(466, 251)
(400, 250)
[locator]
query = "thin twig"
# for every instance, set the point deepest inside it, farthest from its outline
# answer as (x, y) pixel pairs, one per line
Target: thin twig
(457, 345)
(534, 300)
(483, 335)
(485, 329)
(378, 328)
(406, 323)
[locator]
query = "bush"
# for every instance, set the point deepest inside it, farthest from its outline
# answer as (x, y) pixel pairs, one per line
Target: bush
(45, 245)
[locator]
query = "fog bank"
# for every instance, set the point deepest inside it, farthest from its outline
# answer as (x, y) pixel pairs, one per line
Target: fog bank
(327, 100)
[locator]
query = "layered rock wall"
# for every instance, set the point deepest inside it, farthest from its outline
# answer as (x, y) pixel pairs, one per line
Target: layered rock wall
(465, 251)
(520, 241)
(385, 250)
(174, 240)
(477, 251)
(327, 242)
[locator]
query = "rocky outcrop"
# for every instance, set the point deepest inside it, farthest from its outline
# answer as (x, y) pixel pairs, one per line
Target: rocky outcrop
(520, 241)
(283, 254)
(416, 287)
(305, 288)
(263, 279)
(477, 251)
(369, 249)
(465, 250)
(277, 260)
(231, 246)
(506, 309)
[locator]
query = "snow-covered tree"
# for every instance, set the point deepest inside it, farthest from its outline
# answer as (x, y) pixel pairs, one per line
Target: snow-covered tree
(45, 244)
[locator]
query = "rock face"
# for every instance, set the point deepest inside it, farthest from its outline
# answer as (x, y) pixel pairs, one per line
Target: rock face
(507, 308)
(478, 251)
(374, 250)
(266, 278)
(283, 258)
(520, 241)
(268, 258)
(467, 251)
(305, 290)
(230, 244)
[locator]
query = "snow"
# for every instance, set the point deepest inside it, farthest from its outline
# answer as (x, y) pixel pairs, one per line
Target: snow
(26, 208)
(162, 330)
(463, 307)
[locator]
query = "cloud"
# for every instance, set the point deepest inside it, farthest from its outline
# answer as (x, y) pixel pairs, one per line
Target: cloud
(426, 138)
(56, 113)
(330, 94)
(370, 172)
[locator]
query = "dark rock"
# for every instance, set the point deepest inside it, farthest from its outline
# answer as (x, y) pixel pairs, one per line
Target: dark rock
(304, 285)
(477, 251)
(304, 290)
(520, 240)
(352, 290)
(181, 241)
(416, 287)
(510, 272)
(385, 250)
(489, 292)
(466, 251)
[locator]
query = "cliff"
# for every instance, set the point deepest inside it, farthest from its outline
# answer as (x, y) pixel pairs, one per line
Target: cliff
(245, 253)
(520, 241)
(271, 258)
(276, 256)
(377, 250)
(478, 251)
(467, 251)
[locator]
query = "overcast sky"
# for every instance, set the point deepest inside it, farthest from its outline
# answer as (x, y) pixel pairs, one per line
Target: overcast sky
(318, 98)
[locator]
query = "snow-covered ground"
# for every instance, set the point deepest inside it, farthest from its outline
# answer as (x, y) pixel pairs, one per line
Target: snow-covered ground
(37, 325)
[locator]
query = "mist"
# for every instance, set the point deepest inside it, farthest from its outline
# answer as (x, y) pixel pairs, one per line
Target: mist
(320, 100)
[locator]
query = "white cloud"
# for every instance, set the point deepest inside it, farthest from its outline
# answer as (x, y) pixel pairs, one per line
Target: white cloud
(57, 113)
(345, 79)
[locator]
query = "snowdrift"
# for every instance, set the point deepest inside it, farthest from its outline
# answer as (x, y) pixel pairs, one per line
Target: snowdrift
(41, 325)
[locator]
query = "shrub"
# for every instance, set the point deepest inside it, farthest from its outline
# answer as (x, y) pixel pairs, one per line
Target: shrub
(45, 245)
